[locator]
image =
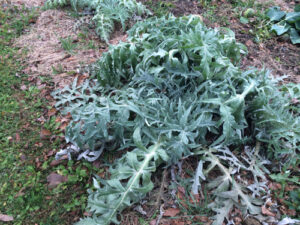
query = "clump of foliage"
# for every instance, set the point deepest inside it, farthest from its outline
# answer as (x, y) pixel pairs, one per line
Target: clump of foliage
(174, 90)
(106, 12)
(286, 22)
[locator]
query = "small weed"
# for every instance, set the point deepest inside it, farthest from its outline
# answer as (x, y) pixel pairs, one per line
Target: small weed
(57, 70)
(293, 201)
(159, 8)
(68, 45)
(205, 3)
(292, 197)
(283, 179)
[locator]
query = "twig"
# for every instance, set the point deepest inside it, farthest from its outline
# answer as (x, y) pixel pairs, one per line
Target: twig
(161, 190)
(161, 213)
(173, 177)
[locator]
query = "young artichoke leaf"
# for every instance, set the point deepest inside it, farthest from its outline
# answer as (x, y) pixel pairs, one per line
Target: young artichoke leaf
(106, 12)
(225, 187)
(222, 208)
(116, 194)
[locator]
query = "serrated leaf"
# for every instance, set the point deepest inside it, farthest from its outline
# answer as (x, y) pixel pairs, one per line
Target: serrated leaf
(221, 212)
(87, 221)
(198, 174)
(137, 138)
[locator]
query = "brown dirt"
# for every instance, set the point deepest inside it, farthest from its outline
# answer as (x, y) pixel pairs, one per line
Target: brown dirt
(184, 7)
(45, 51)
(284, 5)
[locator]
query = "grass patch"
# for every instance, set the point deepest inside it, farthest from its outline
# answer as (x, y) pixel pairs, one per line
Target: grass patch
(68, 45)
(25, 159)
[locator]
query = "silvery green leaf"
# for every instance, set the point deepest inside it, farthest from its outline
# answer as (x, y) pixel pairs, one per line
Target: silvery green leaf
(275, 14)
(137, 138)
(90, 155)
(87, 221)
(257, 188)
(198, 174)
(96, 184)
(292, 17)
(288, 220)
(280, 28)
(221, 211)
(295, 36)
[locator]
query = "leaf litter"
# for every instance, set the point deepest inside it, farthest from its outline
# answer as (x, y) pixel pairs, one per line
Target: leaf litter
(45, 53)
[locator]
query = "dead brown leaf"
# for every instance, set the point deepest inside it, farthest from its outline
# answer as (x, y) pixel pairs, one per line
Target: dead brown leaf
(55, 179)
(38, 163)
(57, 162)
(201, 219)
(52, 112)
(267, 212)
(152, 222)
(45, 134)
(63, 126)
(18, 138)
(274, 186)
(20, 192)
(171, 212)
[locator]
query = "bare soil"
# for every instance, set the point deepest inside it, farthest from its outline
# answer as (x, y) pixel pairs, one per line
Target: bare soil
(45, 51)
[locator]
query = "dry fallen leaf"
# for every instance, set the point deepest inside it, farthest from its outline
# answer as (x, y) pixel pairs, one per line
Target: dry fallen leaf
(274, 186)
(6, 218)
(63, 126)
(20, 193)
(55, 179)
(87, 214)
(45, 134)
(52, 112)
(171, 212)
(153, 222)
(18, 137)
(201, 218)
(267, 212)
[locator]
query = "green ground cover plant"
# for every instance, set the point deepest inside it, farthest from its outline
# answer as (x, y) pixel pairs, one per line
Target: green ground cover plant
(68, 45)
(286, 22)
(24, 164)
(105, 12)
(175, 90)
